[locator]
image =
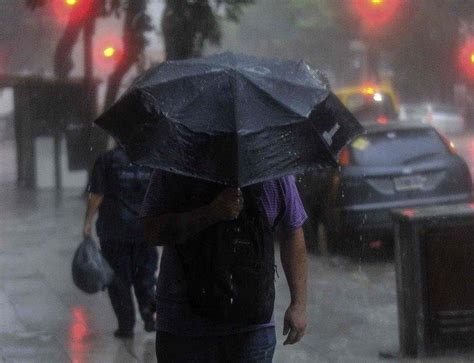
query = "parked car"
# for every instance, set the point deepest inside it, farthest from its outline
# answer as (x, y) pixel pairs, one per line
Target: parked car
(446, 118)
(390, 167)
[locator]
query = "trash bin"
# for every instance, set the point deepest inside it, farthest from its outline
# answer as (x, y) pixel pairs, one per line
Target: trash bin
(434, 261)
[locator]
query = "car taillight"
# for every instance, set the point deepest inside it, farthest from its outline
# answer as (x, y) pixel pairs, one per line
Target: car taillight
(345, 157)
(382, 120)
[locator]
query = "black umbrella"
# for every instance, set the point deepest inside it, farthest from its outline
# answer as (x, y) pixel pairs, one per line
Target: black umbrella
(231, 119)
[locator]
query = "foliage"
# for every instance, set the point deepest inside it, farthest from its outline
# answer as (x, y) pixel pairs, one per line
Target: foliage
(421, 43)
(188, 25)
(307, 29)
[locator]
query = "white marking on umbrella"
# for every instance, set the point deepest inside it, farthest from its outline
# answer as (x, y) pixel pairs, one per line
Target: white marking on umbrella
(328, 136)
(259, 70)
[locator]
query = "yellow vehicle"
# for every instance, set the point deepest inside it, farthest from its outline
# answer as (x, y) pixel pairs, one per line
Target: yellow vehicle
(371, 102)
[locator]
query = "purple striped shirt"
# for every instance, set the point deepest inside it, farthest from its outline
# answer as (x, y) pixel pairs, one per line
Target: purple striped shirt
(167, 194)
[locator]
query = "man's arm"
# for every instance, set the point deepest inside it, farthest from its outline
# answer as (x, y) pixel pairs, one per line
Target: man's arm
(293, 259)
(93, 203)
(176, 228)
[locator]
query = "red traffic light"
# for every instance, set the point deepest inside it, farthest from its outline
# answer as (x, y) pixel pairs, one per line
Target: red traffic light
(375, 14)
(466, 59)
(108, 52)
(75, 10)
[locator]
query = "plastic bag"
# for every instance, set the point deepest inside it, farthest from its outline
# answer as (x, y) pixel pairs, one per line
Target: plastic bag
(90, 271)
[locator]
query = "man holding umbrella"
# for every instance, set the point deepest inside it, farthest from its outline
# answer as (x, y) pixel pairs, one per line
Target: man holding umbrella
(186, 332)
(225, 133)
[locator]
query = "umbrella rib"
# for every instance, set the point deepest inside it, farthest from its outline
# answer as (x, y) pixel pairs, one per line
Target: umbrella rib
(232, 84)
(264, 91)
(179, 79)
(184, 107)
(167, 115)
(145, 81)
(305, 86)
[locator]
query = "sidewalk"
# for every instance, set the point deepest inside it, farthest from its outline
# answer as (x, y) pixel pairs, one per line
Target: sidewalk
(44, 318)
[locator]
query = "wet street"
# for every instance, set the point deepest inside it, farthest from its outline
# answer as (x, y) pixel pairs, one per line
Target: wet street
(44, 318)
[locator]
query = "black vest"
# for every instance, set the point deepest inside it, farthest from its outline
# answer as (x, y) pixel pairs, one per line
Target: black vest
(230, 266)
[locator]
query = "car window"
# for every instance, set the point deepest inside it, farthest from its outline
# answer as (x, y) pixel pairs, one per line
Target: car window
(370, 106)
(397, 147)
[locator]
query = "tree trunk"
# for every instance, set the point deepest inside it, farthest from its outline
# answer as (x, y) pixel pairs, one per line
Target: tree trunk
(186, 26)
(135, 25)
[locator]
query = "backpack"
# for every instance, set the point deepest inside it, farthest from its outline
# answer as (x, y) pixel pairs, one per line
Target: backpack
(229, 267)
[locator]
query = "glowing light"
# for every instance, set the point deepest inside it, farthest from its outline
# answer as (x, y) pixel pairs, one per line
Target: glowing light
(345, 157)
(66, 11)
(109, 52)
(368, 91)
(409, 213)
(466, 59)
(375, 14)
(382, 120)
(378, 97)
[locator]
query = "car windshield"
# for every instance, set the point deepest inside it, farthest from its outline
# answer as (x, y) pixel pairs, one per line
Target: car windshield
(416, 110)
(369, 107)
(401, 147)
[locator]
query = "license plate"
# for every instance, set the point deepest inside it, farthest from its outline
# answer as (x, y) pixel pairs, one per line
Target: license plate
(410, 182)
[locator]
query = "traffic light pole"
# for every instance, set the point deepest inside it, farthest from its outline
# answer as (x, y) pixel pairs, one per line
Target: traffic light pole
(89, 30)
(89, 86)
(370, 63)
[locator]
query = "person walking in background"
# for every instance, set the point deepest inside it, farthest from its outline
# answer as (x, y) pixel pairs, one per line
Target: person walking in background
(116, 191)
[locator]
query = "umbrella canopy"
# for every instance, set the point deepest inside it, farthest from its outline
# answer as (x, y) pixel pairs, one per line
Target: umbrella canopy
(231, 119)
